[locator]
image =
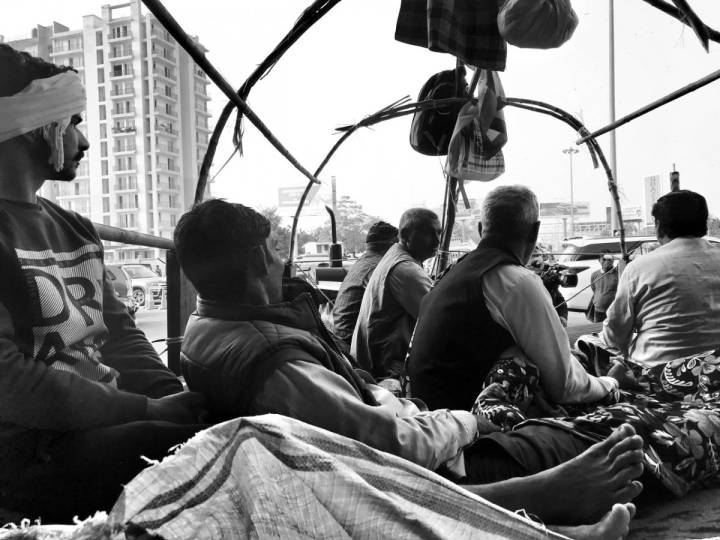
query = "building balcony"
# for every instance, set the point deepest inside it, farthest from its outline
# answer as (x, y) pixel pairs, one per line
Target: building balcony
(116, 76)
(121, 189)
(65, 52)
(162, 35)
(162, 112)
(165, 130)
(123, 151)
(204, 112)
(124, 55)
(204, 129)
(156, 55)
(122, 114)
(161, 75)
(123, 93)
(129, 129)
(168, 150)
(114, 39)
(163, 95)
(166, 168)
(122, 171)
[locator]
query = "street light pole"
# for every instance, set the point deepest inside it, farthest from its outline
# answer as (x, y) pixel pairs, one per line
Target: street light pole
(570, 151)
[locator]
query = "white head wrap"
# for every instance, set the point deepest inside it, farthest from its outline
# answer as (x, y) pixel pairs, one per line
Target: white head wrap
(46, 103)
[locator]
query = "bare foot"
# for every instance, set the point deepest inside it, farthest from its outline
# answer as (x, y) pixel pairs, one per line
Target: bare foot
(583, 489)
(614, 526)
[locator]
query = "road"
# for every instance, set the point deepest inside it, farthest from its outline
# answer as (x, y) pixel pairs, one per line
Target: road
(154, 323)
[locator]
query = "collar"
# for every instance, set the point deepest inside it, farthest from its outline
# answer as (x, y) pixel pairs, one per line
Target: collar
(298, 313)
(495, 243)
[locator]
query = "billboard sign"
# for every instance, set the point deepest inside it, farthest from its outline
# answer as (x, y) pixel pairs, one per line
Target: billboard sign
(562, 209)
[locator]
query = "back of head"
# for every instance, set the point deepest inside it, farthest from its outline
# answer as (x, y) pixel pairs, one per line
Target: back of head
(416, 219)
(19, 69)
(681, 213)
(381, 236)
(509, 212)
(213, 241)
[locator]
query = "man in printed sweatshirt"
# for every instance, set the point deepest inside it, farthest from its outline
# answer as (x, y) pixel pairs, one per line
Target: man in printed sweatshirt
(83, 394)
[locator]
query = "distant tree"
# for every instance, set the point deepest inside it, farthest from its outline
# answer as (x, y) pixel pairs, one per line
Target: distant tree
(281, 234)
(353, 224)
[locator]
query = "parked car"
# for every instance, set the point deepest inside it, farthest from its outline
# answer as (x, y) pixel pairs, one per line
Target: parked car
(582, 255)
(123, 288)
(146, 285)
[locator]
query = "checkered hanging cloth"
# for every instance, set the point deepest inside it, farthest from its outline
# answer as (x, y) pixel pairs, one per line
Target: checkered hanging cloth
(475, 151)
(466, 29)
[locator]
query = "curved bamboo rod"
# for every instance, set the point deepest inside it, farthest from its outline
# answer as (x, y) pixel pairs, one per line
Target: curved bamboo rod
(402, 108)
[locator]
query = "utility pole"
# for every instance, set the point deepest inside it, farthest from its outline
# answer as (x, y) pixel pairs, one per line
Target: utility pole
(613, 149)
(334, 194)
(570, 151)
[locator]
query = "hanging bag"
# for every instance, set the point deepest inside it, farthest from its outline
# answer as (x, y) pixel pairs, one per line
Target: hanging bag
(537, 24)
(431, 129)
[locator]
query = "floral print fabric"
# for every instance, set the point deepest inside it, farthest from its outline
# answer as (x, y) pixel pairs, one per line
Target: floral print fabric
(676, 411)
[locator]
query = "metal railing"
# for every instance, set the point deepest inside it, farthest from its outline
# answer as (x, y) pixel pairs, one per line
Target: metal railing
(180, 292)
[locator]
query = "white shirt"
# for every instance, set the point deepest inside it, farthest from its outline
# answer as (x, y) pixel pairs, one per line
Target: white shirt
(518, 301)
(671, 298)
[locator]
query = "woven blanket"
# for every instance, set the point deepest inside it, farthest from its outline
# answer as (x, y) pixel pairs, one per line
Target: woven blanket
(273, 477)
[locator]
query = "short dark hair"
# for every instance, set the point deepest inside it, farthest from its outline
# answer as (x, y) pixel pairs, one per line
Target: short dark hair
(681, 213)
(213, 241)
(415, 218)
(19, 69)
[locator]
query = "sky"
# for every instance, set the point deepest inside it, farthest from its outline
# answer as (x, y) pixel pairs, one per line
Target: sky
(349, 65)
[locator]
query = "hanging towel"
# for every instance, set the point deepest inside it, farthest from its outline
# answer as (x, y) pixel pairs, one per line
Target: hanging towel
(475, 151)
(466, 29)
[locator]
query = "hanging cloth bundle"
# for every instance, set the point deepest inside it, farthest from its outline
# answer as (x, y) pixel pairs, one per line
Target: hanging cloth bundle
(475, 151)
(537, 24)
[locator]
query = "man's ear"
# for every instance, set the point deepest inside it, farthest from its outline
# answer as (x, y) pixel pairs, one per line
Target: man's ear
(258, 263)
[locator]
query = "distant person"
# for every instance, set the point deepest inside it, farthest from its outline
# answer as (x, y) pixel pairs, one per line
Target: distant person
(489, 307)
(379, 239)
(158, 271)
(391, 302)
(604, 284)
(83, 394)
(667, 304)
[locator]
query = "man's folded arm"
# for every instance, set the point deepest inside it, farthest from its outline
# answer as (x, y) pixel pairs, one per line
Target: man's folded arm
(33, 395)
(313, 394)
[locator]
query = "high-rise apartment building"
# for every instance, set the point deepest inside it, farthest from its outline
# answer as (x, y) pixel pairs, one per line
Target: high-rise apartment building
(146, 120)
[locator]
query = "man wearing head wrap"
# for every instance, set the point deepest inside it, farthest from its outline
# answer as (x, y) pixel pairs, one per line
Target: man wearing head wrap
(83, 394)
(380, 238)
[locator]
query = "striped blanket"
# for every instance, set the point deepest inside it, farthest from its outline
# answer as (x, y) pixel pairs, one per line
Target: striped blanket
(274, 477)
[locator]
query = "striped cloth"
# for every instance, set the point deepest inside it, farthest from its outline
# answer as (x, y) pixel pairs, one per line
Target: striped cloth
(274, 477)
(466, 29)
(475, 149)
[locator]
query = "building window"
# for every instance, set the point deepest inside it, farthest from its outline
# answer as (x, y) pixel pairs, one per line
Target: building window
(101, 93)
(104, 167)
(105, 186)
(98, 38)
(102, 112)
(103, 149)
(100, 57)
(101, 75)
(103, 131)
(106, 204)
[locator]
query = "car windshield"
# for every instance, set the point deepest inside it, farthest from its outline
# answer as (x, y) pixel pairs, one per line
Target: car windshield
(139, 271)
